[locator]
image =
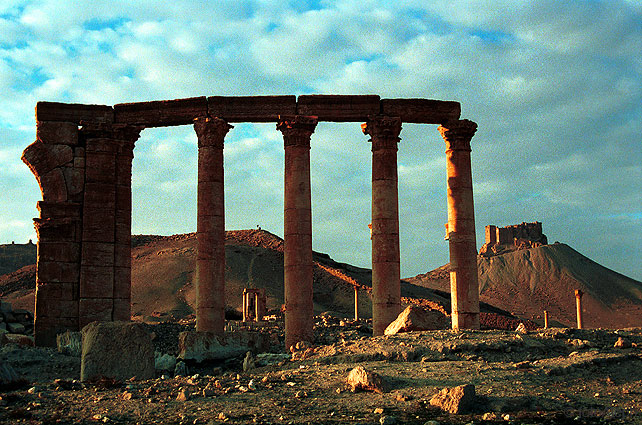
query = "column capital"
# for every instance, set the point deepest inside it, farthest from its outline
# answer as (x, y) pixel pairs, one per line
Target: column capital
(297, 129)
(383, 130)
(211, 131)
(457, 134)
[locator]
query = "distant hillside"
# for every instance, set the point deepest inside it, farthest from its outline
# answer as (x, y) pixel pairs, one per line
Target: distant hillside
(14, 256)
(527, 282)
(163, 270)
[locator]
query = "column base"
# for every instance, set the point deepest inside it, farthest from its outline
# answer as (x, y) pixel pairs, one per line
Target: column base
(463, 320)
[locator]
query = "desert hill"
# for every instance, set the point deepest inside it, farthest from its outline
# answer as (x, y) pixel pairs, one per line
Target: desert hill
(527, 282)
(14, 256)
(163, 269)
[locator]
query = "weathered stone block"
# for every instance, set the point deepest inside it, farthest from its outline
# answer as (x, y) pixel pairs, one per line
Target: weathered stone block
(42, 158)
(68, 252)
(63, 133)
(46, 329)
(96, 282)
(455, 400)
(360, 378)
(338, 108)
(65, 291)
(415, 318)
(57, 271)
(97, 253)
(161, 113)
(100, 195)
(122, 282)
(73, 112)
(98, 225)
(118, 350)
(53, 186)
(100, 167)
(56, 308)
(425, 111)
(74, 180)
(201, 346)
(59, 209)
(251, 108)
(53, 229)
(95, 310)
(122, 309)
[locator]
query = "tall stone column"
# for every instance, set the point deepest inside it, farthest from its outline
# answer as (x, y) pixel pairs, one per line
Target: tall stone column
(210, 229)
(127, 135)
(386, 276)
(298, 265)
(464, 286)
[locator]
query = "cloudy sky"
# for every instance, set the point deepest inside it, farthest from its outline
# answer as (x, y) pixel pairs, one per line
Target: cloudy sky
(556, 88)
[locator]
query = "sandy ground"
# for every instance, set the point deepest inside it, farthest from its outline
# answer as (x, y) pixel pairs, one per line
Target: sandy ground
(554, 376)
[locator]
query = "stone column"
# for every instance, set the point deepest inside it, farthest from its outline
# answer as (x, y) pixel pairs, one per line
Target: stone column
(356, 303)
(297, 252)
(386, 278)
(127, 135)
(578, 305)
(545, 319)
(464, 286)
(210, 228)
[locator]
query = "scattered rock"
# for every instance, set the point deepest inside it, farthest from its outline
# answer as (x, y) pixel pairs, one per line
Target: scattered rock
(361, 379)
(622, 343)
(388, 420)
(117, 350)
(8, 375)
(22, 340)
(521, 328)
(248, 362)
(183, 395)
(181, 369)
(69, 343)
(455, 400)
(415, 318)
(165, 362)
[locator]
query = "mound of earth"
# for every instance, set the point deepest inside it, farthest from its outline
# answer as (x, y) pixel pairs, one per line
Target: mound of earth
(529, 281)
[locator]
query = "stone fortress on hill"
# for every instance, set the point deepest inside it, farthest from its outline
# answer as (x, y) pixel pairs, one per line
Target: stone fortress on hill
(501, 240)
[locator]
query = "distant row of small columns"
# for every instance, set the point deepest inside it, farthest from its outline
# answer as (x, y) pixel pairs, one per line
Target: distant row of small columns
(298, 264)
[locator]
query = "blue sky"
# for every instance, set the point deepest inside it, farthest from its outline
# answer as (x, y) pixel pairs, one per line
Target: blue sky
(556, 88)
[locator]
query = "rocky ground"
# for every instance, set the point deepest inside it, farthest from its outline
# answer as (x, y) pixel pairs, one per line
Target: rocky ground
(553, 376)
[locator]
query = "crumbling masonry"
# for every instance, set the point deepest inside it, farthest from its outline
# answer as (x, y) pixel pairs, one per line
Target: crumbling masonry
(82, 160)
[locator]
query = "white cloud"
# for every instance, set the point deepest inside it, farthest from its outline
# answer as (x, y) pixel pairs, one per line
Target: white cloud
(554, 87)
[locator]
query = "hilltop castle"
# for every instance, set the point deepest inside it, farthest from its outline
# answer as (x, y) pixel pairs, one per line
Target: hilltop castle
(500, 240)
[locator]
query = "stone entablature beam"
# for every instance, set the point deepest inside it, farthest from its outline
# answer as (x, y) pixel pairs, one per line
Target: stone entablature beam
(297, 263)
(464, 286)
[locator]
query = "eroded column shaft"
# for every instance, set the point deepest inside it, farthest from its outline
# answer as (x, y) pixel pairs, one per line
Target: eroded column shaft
(386, 275)
(578, 307)
(464, 286)
(210, 228)
(298, 265)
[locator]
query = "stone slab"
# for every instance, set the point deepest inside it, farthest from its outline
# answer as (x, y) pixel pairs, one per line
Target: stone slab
(73, 112)
(251, 108)
(422, 111)
(117, 350)
(161, 113)
(338, 108)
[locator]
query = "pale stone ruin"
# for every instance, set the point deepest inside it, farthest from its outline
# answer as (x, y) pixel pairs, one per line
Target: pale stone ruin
(82, 160)
(500, 240)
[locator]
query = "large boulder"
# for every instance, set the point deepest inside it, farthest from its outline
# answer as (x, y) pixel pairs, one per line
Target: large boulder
(455, 400)
(360, 378)
(116, 350)
(415, 318)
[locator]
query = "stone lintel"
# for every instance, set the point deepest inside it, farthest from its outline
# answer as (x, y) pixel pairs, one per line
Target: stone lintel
(251, 108)
(73, 112)
(161, 113)
(421, 111)
(338, 108)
